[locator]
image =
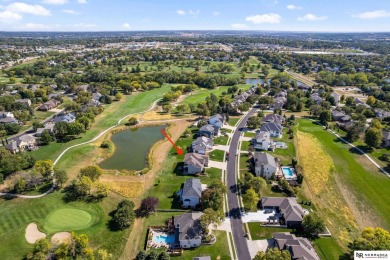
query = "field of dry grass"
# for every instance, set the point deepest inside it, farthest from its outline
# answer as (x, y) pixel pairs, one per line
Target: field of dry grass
(321, 187)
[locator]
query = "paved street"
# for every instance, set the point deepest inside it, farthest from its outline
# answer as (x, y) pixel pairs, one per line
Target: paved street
(240, 242)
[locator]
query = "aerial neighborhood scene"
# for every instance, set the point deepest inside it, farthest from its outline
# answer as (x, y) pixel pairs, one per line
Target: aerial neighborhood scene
(199, 130)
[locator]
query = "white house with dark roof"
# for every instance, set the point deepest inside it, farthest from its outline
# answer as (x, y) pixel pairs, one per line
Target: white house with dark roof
(300, 248)
(275, 129)
(288, 208)
(385, 138)
(262, 141)
(273, 118)
(191, 193)
(209, 131)
(188, 230)
(202, 144)
(265, 165)
(68, 118)
(195, 163)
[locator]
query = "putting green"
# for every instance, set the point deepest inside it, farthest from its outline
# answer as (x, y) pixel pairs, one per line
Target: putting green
(68, 219)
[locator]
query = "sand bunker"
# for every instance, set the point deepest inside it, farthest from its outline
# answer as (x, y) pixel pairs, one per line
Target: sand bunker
(33, 234)
(61, 237)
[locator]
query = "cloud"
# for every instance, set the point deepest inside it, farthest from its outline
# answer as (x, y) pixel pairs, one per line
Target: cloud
(18, 7)
(126, 26)
(264, 18)
(193, 12)
(239, 26)
(81, 2)
(35, 27)
(312, 17)
(216, 13)
(84, 25)
(70, 11)
(180, 12)
(9, 17)
(373, 14)
(293, 7)
(55, 2)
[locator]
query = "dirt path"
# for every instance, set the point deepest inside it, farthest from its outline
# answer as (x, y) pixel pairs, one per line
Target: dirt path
(159, 154)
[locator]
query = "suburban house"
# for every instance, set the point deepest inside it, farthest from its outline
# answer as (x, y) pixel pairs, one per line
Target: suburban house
(24, 101)
(188, 230)
(299, 247)
(202, 144)
(337, 115)
(49, 105)
(262, 141)
(273, 118)
(195, 163)
(316, 98)
(336, 97)
(191, 193)
(291, 213)
(68, 118)
(48, 127)
(265, 165)
(22, 143)
(217, 120)
(209, 131)
(381, 114)
(275, 129)
(385, 138)
(8, 118)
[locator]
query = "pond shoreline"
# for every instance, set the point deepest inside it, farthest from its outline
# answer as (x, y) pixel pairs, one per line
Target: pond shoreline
(105, 155)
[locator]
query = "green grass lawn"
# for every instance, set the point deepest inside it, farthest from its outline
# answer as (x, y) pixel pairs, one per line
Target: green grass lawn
(115, 111)
(233, 120)
(245, 145)
(18, 213)
(259, 232)
(249, 134)
(219, 250)
(367, 186)
(327, 248)
(222, 140)
(68, 219)
(285, 155)
(217, 155)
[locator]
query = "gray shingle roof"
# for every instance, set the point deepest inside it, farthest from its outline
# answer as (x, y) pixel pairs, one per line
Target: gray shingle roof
(192, 188)
(268, 127)
(196, 159)
(289, 207)
(189, 226)
(299, 247)
(264, 158)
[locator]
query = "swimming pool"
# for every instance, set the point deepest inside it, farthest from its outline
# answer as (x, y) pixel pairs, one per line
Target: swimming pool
(164, 239)
(288, 172)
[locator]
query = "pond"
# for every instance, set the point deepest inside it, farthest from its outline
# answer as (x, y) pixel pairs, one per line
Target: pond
(132, 147)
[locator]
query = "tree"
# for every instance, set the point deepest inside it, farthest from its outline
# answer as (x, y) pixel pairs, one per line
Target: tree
(354, 132)
(164, 256)
(118, 96)
(85, 121)
(211, 216)
(212, 197)
(349, 101)
(101, 190)
(373, 137)
(75, 128)
(61, 177)
(250, 199)
(254, 122)
(183, 108)
(371, 101)
(153, 255)
(45, 138)
(141, 255)
(132, 121)
(82, 186)
(124, 215)
(315, 110)
(92, 171)
(149, 205)
(371, 239)
(273, 254)
(325, 117)
(167, 108)
(312, 225)
(43, 167)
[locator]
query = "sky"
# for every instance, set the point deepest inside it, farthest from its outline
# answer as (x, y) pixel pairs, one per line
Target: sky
(138, 15)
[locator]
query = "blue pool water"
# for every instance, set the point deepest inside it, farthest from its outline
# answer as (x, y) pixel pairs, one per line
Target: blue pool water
(167, 239)
(288, 172)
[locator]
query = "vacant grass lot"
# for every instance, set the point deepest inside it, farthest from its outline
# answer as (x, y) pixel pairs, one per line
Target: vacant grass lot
(258, 232)
(362, 188)
(222, 140)
(327, 248)
(233, 120)
(285, 155)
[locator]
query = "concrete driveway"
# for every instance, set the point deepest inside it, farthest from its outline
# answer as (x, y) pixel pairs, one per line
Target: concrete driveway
(258, 245)
(221, 147)
(219, 165)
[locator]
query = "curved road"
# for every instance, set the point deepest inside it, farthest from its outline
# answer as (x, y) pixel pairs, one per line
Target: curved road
(239, 238)
(73, 146)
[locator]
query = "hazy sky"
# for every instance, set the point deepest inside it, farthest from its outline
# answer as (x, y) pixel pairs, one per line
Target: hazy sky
(116, 15)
